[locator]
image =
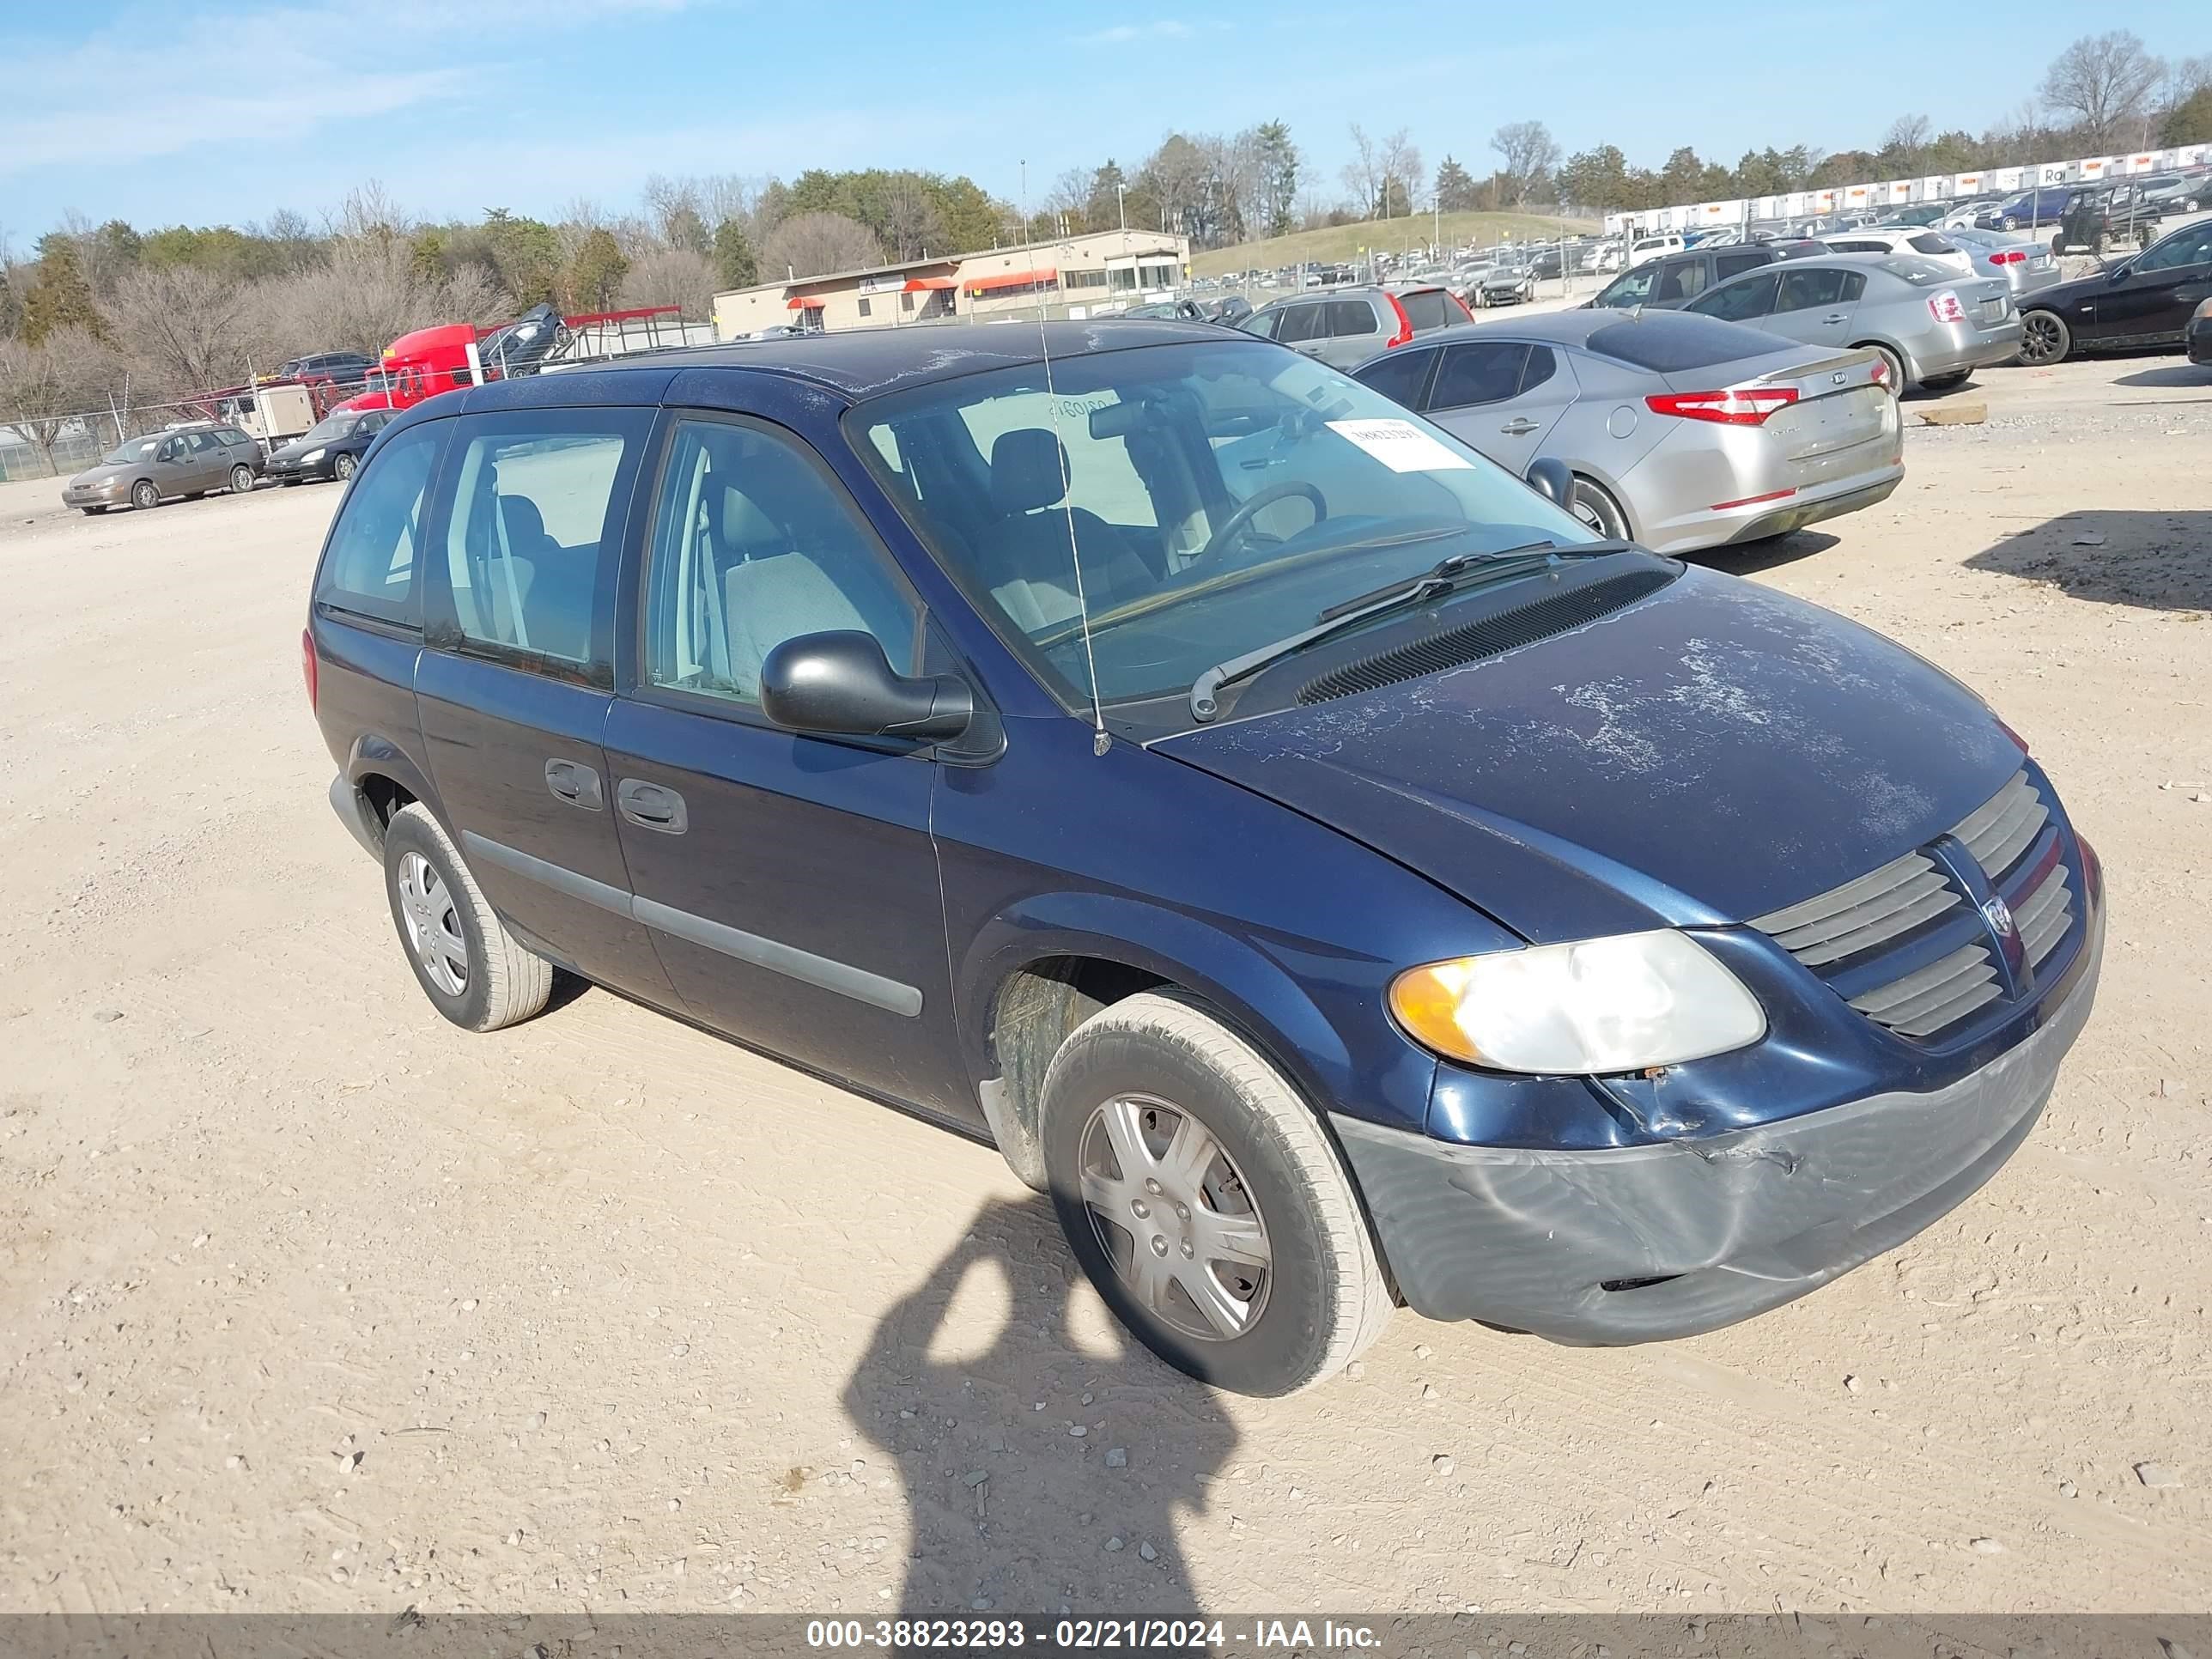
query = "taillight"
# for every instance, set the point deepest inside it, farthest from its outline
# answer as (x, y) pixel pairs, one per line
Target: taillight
(308, 667)
(2008, 256)
(1405, 334)
(1746, 406)
(1946, 308)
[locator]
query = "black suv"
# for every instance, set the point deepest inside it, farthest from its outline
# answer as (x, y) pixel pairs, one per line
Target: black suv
(1676, 279)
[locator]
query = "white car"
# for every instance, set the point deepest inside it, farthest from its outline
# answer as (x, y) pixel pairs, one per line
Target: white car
(1609, 257)
(1651, 247)
(1911, 240)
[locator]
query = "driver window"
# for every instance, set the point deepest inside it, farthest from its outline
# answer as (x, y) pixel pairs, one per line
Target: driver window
(753, 545)
(2193, 247)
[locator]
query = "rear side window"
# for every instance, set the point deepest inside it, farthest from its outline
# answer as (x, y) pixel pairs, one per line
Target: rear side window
(1350, 318)
(1543, 363)
(1752, 296)
(1802, 289)
(530, 545)
(1734, 264)
(1400, 375)
(1303, 323)
(370, 566)
(1429, 307)
(1667, 341)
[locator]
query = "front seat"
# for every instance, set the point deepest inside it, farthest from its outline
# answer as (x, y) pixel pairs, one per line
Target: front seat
(1025, 556)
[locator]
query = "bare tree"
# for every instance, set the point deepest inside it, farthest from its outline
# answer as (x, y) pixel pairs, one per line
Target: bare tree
(808, 244)
(1402, 172)
(2185, 78)
(187, 330)
(1907, 140)
(44, 388)
(1527, 156)
(1362, 173)
(369, 214)
(673, 276)
(2105, 81)
(911, 220)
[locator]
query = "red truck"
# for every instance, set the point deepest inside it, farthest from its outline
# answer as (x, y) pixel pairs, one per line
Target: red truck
(433, 359)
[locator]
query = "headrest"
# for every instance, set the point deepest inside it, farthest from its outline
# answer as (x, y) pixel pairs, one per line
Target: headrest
(523, 521)
(745, 525)
(1029, 469)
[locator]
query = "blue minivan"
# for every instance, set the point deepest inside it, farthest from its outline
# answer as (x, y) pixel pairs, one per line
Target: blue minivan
(1311, 856)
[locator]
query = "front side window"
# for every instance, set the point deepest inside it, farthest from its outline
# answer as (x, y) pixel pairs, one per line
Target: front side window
(538, 499)
(753, 544)
(370, 564)
(1631, 289)
(1400, 376)
(1196, 500)
(2190, 245)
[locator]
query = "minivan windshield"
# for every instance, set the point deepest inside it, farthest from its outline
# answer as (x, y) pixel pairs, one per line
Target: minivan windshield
(1199, 500)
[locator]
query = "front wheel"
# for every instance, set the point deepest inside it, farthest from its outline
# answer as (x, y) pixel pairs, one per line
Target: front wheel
(473, 970)
(92, 512)
(241, 479)
(343, 467)
(143, 495)
(2044, 338)
(1198, 1191)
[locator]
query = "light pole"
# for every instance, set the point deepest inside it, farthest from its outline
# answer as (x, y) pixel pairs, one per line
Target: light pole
(1121, 202)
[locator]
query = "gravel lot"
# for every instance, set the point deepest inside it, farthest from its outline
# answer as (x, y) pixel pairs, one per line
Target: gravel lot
(309, 1301)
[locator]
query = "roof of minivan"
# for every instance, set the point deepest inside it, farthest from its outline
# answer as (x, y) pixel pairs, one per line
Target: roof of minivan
(862, 363)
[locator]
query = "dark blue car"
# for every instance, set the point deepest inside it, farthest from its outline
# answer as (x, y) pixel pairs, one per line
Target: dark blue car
(1306, 851)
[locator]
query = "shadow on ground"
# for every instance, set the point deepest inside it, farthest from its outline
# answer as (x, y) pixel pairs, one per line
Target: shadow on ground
(2158, 561)
(1751, 557)
(1046, 1460)
(2184, 373)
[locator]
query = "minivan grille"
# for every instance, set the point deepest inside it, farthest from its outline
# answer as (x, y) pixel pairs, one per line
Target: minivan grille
(1523, 625)
(1879, 938)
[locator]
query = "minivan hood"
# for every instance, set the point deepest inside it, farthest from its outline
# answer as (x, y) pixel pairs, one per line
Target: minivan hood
(1711, 753)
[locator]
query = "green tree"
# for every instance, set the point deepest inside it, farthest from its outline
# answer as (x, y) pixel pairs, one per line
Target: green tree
(425, 254)
(735, 265)
(1596, 179)
(2190, 121)
(595, 274)
(60, 298)
(1279, 162)
(1455, 187)
(526, 254)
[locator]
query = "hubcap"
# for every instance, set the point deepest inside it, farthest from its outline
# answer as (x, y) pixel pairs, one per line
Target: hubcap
(1172, 1212)
(433, 929)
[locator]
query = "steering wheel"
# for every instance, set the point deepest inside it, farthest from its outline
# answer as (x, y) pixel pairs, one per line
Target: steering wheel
(1241, 520)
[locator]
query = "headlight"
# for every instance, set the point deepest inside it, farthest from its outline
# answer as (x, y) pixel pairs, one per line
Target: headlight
(1600, 1005)
(311, 457)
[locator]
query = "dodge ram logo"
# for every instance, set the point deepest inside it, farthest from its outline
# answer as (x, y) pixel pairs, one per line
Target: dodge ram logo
(1998, 914)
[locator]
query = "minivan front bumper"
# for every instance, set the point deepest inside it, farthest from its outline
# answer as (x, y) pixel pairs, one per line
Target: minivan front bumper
(1643, 1243)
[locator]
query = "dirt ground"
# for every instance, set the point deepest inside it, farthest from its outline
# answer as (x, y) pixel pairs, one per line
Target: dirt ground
(310, 1302)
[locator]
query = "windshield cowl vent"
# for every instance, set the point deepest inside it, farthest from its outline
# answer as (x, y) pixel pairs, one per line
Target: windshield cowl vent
(1493, 635)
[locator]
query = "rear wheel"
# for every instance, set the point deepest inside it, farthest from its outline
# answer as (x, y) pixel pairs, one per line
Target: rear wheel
(1199, 1193)
(241, 479)
(145, 494)
(473, 970)
(1593, 503)
(2045, 337)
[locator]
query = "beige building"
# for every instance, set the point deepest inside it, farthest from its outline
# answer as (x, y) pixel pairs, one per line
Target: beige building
(1073, 276)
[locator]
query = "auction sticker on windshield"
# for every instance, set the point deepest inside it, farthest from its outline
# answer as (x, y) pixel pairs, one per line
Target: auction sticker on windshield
(1399, 445)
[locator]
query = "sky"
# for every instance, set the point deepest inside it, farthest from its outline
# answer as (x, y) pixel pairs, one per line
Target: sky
(224, 112)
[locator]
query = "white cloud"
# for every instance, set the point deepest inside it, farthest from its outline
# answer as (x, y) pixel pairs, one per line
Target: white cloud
(1121, 35)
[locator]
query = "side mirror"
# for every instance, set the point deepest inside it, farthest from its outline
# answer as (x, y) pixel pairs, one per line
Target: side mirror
(841, 684)
(1552, 478)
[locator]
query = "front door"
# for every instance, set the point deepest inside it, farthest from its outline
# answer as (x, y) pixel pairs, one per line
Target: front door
(515, 682)
(2152, 300)
(790, 881)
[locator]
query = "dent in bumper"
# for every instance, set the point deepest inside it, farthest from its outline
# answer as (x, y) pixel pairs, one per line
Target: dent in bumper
(1642, 1243)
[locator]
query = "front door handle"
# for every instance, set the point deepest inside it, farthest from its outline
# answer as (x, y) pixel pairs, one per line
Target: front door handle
(575, 783)
(651, 806)
(1519, 427)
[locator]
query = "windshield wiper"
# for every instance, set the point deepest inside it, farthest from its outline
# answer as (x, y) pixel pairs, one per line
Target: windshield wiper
(1460, 570)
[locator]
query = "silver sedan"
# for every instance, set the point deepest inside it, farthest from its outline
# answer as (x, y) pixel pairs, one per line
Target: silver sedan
(1932, 325)
(2029, 267)
(1681, 432)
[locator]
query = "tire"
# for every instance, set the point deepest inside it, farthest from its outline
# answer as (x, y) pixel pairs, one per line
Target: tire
(436, 903)
(2044, 338)
(1143, 1073)
(92, 512)
(1595, 505)
(2008, 224)
(242, 480)
(342, 468)
(1948, 382)
(144, 495)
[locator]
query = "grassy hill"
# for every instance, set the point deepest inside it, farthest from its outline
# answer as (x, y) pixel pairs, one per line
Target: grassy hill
(1340, 244)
